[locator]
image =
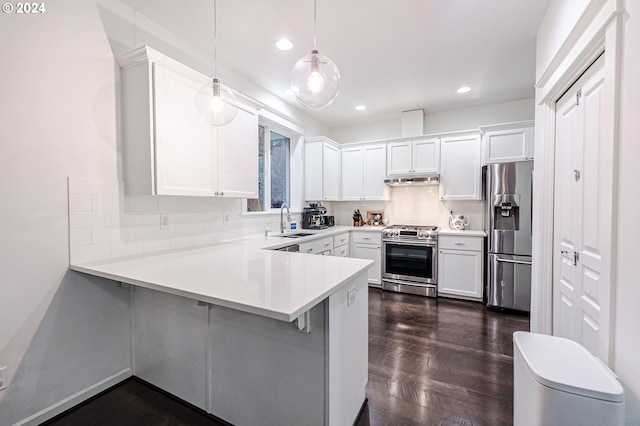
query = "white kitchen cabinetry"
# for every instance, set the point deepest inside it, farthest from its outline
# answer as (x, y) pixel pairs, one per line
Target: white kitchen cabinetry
(507, 142)
(321, 169)
(341, 245)
(460, 266)
(368, 245)
(460, 167)
(319, 246)
(363, 172)
(169, 149)
(414, 156)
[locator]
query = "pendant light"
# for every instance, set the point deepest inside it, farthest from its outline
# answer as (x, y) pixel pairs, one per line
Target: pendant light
(215, 103)
(315, 79)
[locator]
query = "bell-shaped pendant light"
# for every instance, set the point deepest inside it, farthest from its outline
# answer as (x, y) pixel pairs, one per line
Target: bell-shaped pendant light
(215, 103)
(315, 79)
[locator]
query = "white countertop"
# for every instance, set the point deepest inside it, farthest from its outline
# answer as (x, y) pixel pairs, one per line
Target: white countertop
(241, 274)
(465, 232)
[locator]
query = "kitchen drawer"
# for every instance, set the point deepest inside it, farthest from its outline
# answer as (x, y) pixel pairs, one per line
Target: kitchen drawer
(317, 246)
(341, 251)
(341, 239)
(367, 237)
(459, 242)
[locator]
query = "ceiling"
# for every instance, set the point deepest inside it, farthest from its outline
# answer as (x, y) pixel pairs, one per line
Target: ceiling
(393, 56)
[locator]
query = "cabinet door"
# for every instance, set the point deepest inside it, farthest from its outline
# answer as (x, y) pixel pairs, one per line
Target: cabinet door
(375, 167)
(399, 158)
(352, 173)
(185, 155)
(426, 156)
(372, 252)
(460, 273)
(503, 146)
(331, 172)
(238, 156)
(460, 171)
(313, 171)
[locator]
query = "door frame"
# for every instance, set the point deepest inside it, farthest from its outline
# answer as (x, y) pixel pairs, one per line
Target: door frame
(598, 30)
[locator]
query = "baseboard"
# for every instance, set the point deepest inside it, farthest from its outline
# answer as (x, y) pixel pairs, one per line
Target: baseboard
(75, 399)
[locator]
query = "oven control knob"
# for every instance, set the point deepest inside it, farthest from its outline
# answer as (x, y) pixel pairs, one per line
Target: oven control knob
(421, 234)
(396, 233)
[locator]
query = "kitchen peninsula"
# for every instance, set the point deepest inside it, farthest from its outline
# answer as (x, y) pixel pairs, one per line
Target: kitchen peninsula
(250, 335)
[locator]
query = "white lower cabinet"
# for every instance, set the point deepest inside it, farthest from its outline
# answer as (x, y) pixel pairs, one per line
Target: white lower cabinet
(368, 245)
(460, 267)
(341, 245)
(319, 246)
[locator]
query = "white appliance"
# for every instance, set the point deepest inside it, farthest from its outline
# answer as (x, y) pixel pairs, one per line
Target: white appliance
(559, 382)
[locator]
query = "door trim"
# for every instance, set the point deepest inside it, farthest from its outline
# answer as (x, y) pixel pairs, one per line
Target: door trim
(600, 31)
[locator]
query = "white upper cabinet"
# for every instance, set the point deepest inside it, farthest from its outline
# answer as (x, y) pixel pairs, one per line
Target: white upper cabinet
(414, 156)
(507, 142)
(363, 172)
(321, 169)
(460, 167)
(169, 149)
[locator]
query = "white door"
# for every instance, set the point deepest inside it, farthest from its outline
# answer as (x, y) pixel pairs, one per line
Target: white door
(184, 143)
(375, 167)
(371, 252)
(583, 216)
(352, 174)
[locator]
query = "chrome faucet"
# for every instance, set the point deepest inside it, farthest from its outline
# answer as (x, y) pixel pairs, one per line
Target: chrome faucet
(282, 217)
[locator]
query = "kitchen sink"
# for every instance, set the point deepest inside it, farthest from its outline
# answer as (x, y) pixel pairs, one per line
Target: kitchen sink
(296, 235)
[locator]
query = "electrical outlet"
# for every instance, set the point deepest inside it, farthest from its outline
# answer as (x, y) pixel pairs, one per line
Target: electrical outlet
(3, 378)
(164, 221)
(351, 296)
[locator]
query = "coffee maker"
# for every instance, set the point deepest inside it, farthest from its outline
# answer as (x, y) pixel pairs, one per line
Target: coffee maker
(315, 217)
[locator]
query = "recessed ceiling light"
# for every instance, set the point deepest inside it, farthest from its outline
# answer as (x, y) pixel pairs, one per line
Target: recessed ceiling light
(289, 92)
(464, 89)
(361, 108)
(284, 44)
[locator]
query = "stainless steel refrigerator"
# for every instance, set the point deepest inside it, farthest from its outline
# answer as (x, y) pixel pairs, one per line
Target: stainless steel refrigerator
(508, 226)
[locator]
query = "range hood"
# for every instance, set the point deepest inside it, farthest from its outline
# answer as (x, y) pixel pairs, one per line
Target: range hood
(407, 180)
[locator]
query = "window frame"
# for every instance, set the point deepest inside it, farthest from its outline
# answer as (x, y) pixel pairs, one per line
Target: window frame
(296, 141)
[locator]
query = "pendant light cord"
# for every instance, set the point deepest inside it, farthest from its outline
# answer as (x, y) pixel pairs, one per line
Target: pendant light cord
(215, 40)
(315, 12)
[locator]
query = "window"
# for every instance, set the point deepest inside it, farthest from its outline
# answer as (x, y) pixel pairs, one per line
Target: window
(274, 171)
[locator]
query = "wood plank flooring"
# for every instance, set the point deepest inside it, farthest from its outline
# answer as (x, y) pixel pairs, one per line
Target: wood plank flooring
(431, 362)
(439, 362)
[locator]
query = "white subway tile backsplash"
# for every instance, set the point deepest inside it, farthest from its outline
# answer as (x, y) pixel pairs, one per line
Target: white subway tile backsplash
(141, 204)
(88, 220)
(79, 237)
(107, 203)
(90, 253)
(152, 246)
(181, 242)
(105, 235)
(126, 248)
(77, 186)
(80, 203)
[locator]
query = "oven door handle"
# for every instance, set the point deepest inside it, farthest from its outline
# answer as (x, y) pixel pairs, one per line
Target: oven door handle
(411, 243)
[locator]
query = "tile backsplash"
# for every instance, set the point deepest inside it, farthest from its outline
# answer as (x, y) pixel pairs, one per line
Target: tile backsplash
(104, 223)
(412, 205)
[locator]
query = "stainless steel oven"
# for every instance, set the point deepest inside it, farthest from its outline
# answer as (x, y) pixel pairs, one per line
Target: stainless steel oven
(409, 259)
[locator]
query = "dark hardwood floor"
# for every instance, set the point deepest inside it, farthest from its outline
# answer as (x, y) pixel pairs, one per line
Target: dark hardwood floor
(431, 362)
(439, 362)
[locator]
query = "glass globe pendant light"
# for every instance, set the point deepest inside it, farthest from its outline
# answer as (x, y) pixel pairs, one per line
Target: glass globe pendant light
(315, 79)
(215, 103)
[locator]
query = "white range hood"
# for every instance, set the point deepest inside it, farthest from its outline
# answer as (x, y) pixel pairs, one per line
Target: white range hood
(407, 180)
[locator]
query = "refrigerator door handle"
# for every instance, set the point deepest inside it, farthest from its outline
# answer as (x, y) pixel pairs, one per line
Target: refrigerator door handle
(518, 262)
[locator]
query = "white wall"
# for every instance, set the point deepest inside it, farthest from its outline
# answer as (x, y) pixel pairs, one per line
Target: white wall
(627, 314)
(61, 332)
(560, 31)
(439, 121)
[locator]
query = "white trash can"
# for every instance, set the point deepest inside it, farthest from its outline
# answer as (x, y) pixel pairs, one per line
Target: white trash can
(557, 381)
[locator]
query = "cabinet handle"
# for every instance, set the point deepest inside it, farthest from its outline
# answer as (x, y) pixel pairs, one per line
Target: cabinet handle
(326, 244)
(459, 244)
(366, 238)
(309, 250)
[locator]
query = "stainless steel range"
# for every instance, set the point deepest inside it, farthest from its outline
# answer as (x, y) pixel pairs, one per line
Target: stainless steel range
(409, 259)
